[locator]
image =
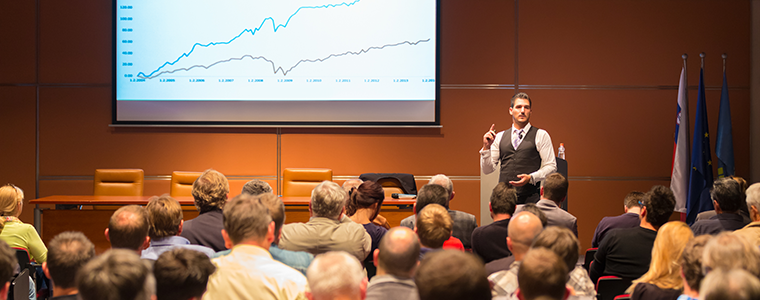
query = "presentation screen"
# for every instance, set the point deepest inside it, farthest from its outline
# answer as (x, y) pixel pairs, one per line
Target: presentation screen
(276, 62)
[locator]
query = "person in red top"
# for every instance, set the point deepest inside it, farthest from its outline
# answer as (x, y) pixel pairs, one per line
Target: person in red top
(434, 228)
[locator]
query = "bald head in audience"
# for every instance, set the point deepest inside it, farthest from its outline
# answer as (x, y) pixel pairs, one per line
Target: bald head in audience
(397, 253)
(118, 274)
(522, 229)
(351, 183)
(336, 275)
(128, 228)
(452, 274)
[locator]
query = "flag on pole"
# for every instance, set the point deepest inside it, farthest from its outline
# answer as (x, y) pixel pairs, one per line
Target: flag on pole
(701, 175)
(679, 178)
(724, 144)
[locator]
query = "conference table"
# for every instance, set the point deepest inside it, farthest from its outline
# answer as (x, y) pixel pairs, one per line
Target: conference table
(93, 222)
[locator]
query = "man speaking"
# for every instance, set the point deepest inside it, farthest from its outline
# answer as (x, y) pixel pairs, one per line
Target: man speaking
(526, 153)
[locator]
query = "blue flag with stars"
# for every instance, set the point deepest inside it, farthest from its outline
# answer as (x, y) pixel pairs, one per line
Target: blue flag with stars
(701, 174)
(724, 142)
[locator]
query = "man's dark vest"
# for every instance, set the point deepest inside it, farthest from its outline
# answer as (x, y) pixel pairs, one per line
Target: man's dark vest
(525, 160)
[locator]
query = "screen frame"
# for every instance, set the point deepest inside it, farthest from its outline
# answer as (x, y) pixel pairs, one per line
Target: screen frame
(122, 123)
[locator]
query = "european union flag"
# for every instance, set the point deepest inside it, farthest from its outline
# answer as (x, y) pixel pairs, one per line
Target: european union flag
(701, 175)
(724, 145)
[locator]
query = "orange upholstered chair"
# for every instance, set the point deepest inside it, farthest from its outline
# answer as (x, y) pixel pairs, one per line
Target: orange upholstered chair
(300, 182)
(182, 183)
(119, 182)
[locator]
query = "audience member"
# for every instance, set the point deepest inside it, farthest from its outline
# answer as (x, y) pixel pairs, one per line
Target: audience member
(128, 228)
(8, 265)
(256, 187)
(726, 196)
(249, 271)
(68, 252)
(743, 209)
(351, 183)
(210, 193)
(735, 284)
(542, 276)
(730, 251)
(490, 241)
(532, 208)
(752, 231)
(626, 252)
(630, 219)
(396, 259)
(354, 183)
(691, 267)
(433, 228)
(118, 274)
(523, 229)
(336, 275)
(182, 274)
(165, 216)
(362, 207)
(298, 260)
(328, 228)
(12, 230)
(553, 192)
(454, 275)
(464, 223)
(563, 242)
(663, 281)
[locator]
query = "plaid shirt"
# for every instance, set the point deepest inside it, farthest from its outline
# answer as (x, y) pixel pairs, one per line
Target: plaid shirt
(505, 282)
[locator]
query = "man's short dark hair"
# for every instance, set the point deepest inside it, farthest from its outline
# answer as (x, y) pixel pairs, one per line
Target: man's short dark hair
(555, 187)
(431, 193)
(503, 199)
(659, 203)
(257, 187)
(398, 258)
(8, 262)
(633, 198)
(452, 274)
(118, 274)
(727, 192)
(691, 261)
(276, 211)
(67, 253)
(128, 227)
(520, 95)
(532, 208)
(165, 215)
(182, 274)
(560, 240)
(246, 218)
(542, 274)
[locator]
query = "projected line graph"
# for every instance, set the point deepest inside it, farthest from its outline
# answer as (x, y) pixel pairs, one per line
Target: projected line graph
(276, 69)
(275, 28)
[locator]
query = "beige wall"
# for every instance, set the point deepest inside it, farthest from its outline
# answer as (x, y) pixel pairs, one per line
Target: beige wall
(602, 74)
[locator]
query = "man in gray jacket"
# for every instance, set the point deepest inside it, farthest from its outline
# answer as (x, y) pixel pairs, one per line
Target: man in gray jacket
(328, 228)
(396, 261)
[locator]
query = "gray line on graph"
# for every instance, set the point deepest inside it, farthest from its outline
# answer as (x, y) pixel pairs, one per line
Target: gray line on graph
(276, 69)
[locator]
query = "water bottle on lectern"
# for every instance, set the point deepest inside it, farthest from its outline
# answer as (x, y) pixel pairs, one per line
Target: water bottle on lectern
(561, 152)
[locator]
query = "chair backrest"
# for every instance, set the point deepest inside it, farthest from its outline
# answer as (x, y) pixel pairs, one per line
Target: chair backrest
(401, 183)
(19, 289)
(590, 252)
(182, 183)
(297, 182)
(119, 182)
(623, 297)
(608, 287)
(24, 261)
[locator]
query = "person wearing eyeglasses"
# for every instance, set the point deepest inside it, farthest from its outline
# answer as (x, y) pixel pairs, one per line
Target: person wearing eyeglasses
(14, 232)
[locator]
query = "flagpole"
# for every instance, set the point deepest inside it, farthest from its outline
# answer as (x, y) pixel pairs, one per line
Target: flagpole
(685, 74)
(724, 62)
(702, 57)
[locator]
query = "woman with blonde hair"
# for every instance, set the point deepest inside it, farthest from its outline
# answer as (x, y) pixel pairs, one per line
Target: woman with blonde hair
(663, 280)
(14, 232)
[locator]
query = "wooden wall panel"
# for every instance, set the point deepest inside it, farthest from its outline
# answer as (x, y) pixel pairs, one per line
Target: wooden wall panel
(75, 41)
(603, 42)
(18, 63)
(477, 42)
(18, 127)
(76, 140)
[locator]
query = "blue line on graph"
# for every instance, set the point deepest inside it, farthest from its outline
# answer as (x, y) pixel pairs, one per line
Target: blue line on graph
(252, 31)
